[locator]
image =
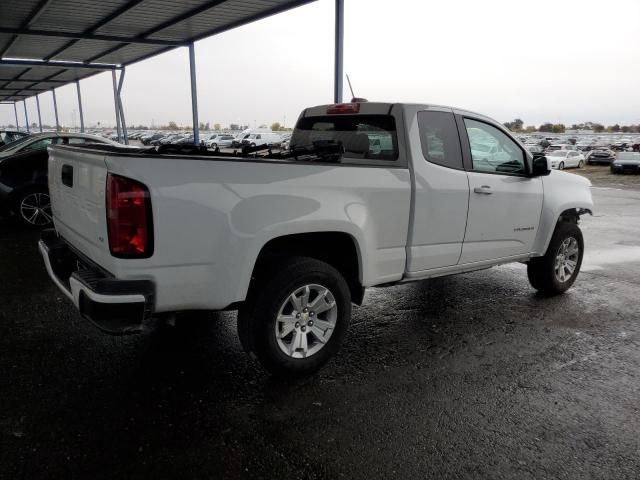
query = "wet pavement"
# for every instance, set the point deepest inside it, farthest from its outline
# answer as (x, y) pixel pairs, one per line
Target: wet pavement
(473, 376)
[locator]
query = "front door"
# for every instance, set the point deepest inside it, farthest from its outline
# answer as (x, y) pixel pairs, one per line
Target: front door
(504, 203)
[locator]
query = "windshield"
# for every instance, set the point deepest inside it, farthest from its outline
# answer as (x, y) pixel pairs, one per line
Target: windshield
(558, 153)
(359, 136)
(628, 156)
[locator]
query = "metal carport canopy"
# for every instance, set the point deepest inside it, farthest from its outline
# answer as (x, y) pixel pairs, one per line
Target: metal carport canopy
(45, 44)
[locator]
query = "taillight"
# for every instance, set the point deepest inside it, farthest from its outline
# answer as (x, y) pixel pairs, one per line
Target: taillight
(129, 221)
(339, 108)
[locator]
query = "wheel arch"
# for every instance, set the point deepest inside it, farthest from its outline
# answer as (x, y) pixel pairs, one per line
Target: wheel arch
(339, 249)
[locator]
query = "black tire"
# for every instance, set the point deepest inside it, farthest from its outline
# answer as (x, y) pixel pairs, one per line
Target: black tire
(32, 207)
(580, 164)
(270, 290)
(542, 270)
(214, 145)
(561, 166)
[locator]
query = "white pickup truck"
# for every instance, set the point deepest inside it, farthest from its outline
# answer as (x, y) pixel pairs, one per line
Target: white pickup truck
(369, 194)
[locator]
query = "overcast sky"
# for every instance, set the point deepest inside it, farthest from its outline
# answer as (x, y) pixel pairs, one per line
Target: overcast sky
(560, 61)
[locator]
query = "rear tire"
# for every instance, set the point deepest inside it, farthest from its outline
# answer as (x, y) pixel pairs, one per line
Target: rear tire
(32, 208)
(557, 270)
(580, 164)
(273, 324)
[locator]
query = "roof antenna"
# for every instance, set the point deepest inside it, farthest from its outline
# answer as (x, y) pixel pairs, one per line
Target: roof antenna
(354, 99)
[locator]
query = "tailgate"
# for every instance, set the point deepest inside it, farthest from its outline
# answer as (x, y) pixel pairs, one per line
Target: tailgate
(77, 182)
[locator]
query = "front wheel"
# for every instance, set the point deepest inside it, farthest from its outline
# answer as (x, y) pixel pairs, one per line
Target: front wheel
(296, 316)
(580, 164)
(561, 166)
(555, 272)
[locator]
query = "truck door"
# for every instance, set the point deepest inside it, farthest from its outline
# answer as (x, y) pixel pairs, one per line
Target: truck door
(504, 203)
(441, 191)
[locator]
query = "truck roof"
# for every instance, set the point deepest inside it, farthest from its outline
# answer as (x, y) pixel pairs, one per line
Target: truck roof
(382, 108)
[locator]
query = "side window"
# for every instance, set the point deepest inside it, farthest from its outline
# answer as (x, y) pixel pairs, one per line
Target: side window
(39, 145)
(439, 139)
(492, 151)
(77, 140)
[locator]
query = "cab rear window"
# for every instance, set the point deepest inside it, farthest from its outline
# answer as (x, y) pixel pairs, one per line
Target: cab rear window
(370, 137)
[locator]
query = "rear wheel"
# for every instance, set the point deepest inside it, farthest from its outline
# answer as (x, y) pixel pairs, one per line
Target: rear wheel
(580, 164)
(33, 208)
(555, 272)
(296, 316)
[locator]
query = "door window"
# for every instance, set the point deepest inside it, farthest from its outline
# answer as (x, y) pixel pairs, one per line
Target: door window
(39, 145)
(493, 151)
(439, 139)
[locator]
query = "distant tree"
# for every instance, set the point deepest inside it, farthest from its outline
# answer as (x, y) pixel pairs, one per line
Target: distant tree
(597, 127)
(216, 127)
(233, 126)
(558, 128)
(275, 127)
(626, 128)
(202, 126)
(172, 126)
(614, 128)
(530, 129)
(546, 127)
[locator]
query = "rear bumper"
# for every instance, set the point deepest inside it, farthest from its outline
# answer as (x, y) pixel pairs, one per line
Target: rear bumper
(115, 306)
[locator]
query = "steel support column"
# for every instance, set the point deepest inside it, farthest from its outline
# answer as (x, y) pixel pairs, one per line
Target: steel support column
(125, 135)
(39, 117)
(80, 106)
(55, 109)
(15, 110)
(194, 95)
(338, 55)
(26, 116)
(115, 103)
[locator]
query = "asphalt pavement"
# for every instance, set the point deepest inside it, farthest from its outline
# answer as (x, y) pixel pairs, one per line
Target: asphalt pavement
(472, 376)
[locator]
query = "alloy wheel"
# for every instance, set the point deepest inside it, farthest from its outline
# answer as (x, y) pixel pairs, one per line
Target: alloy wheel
(566, 259)
(35, 209)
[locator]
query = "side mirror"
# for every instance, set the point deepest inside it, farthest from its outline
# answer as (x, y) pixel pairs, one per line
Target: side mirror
(540, 166)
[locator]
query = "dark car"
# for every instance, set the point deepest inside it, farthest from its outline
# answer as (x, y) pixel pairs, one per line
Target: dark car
(149, 139)
(626, 162)
(24, 193)
(8, 136)
(601, 156)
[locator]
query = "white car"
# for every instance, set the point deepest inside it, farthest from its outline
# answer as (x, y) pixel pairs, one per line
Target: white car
(561, 159)
(375, 194)
(220, 141)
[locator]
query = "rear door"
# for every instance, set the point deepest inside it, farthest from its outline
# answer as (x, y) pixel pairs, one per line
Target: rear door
(504, 203)
(441, 192)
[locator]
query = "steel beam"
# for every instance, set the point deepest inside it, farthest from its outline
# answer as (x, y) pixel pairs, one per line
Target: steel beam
(124, 123)
(31, 80)
(31, 18)
(15, 110)
(80, 106)
(338, 71)
(55, 109)
(194, 95)
(26, 116)
(46, 63)
(87, 36)
(39, 117)
(115, 103)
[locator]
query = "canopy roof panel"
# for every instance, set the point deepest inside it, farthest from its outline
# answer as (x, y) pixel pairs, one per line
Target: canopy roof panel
(48, 43)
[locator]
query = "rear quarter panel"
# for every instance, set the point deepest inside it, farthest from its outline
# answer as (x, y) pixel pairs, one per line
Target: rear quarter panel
(212, 217)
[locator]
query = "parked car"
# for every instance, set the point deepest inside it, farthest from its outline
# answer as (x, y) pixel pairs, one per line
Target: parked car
(148, 139)
(293, 243)
(561, 159)
(626, 162)
(261, 139)
(534, 148)
(24, 193)
(8, 136)
(601, 155)
(221, 141)
(559, 146)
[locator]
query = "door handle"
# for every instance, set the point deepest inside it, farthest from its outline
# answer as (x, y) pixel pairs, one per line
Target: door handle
(484, 190)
